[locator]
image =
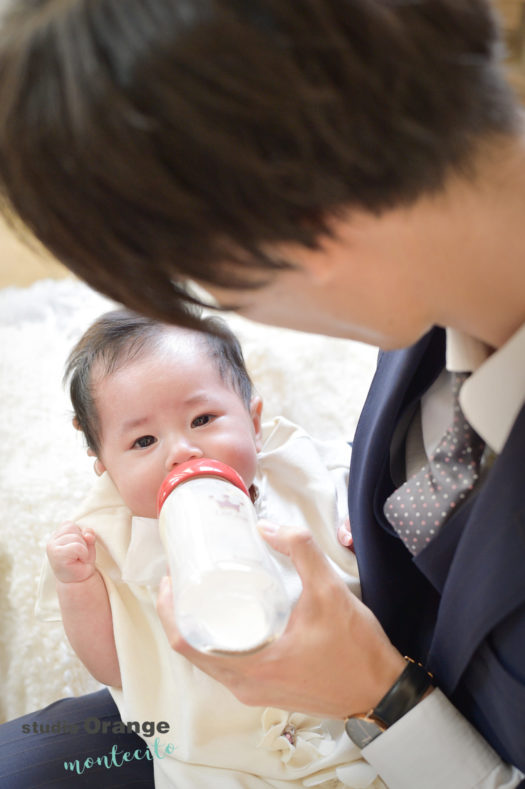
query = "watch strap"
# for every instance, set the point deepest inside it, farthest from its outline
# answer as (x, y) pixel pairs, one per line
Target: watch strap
(405, 693)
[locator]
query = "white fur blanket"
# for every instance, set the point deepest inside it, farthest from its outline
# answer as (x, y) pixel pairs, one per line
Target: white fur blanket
(317, 382)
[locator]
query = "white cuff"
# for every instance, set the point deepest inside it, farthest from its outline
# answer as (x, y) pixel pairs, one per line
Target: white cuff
(435, 746)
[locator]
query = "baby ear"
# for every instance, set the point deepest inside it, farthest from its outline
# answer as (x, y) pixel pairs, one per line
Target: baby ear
(98, 464)
(256, 405)
(99, 467)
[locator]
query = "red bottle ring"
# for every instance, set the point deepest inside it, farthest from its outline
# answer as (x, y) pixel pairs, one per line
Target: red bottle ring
(200, 467)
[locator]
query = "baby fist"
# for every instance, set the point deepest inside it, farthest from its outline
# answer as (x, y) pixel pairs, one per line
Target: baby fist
(71, 553)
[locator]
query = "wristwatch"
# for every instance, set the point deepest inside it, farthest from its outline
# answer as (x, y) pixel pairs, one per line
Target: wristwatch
(405, 693)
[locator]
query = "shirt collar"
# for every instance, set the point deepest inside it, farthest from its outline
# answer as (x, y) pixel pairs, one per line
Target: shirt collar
(493, 395)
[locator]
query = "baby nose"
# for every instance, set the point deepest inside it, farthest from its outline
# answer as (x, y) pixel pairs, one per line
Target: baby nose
(180, 451)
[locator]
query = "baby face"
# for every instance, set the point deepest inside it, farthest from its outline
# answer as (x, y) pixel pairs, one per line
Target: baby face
(168, 406)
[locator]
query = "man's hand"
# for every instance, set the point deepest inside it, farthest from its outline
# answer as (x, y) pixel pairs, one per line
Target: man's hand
(332, 661)
(71, 553)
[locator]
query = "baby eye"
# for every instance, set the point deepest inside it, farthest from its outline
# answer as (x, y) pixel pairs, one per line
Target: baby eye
(201, 420)
(143, 442)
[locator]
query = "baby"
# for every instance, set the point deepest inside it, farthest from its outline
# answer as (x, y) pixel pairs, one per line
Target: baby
(147, 397)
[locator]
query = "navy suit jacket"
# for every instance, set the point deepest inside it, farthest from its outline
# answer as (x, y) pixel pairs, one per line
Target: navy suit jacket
(459, 606)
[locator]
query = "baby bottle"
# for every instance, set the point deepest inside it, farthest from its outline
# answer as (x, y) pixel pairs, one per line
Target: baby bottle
(228, 594)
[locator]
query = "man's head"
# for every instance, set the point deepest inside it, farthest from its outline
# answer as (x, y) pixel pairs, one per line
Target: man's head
(146, 143)
(149, 396)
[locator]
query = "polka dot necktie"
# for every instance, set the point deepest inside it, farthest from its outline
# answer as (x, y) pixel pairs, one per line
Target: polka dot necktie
(419, 508)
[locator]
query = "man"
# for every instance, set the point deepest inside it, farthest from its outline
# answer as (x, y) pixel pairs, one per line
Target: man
(351, 168)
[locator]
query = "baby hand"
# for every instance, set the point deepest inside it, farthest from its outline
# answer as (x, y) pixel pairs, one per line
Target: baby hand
(71, 553)
(344, 535)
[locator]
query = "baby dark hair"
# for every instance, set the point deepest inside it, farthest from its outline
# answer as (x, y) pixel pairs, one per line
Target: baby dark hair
(119, 336)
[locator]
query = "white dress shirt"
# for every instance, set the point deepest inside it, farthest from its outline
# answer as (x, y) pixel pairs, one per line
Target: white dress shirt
(434, 746)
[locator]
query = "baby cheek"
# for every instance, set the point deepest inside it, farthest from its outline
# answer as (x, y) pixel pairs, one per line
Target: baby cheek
(139, 492)
(247, 465)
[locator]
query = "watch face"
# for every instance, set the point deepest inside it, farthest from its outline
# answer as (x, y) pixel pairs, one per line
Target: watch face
(362, 730)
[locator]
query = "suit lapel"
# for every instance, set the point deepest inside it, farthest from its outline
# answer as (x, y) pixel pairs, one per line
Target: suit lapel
(483, 547)
(390, 582)
(395, 389)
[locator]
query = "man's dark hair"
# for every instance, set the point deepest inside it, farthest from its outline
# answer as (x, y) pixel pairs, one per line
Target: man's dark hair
(120, 336)
(146, 142)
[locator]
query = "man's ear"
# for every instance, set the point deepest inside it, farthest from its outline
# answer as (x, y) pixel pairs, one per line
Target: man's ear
(256, 405)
